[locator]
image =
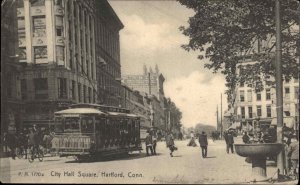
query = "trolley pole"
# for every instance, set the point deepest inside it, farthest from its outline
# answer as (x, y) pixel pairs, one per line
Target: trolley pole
(279, 96)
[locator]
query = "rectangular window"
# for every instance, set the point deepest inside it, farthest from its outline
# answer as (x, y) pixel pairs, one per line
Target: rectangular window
(287, 92)
(58, 2)
(23, 89)
(59, 21)
(22, 53)
(60, 54)
(249, 95)
(269, 111)
(243, 112)
(79, 92)
(71, 60)
(250, 113)
(21, 23)
(39, 26)
(242, 96)
(72, 90)
(258, 96)
(90, 95)
(41, 88)
(20, 3)
(94, 95)
(62, 87)
(84, 94)
(258, 110)
(40, 54)
(37, 2)
(59, 31)
(268, 94)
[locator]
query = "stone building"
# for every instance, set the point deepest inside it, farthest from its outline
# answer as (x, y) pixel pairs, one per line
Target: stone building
(107, 27)
(69, 53)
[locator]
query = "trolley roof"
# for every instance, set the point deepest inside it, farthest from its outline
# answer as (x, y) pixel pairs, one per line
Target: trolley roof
(80, 111)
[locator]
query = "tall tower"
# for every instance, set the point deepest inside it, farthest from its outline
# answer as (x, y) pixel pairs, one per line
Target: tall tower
(156, 69)
(145, 70)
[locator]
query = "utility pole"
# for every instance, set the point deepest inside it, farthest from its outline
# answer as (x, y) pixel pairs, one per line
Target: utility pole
(149, 83)
(218, 118)
(221, 119)
(279, 96)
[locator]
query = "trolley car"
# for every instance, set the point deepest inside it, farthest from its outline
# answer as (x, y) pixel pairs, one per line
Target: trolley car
(95, 130)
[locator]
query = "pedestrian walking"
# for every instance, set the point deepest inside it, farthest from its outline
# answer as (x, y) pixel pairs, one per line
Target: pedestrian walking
(170, 143)
(203, 143)
(148, 142)
(230, 142)
(192, 141)
(226, 139)
(33, 140)
(154, 142)
(293, 154)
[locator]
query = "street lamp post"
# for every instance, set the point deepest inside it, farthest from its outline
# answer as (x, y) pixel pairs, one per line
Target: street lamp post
(279, 96)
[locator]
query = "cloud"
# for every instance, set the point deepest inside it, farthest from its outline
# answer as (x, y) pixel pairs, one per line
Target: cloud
(197, 100)
(148, 37)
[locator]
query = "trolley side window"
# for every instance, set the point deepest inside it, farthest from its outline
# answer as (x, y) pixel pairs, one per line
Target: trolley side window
(58, 127)
(87, 124)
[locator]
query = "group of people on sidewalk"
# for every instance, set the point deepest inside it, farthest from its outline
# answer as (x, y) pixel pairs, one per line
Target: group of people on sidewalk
(25, 140)
(151, 142)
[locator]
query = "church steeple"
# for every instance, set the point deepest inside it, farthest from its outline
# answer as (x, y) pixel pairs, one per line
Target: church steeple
(150, 70)
(145, 70)
(156, 69)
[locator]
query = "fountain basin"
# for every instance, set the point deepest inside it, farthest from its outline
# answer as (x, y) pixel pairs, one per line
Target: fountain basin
(256, 150)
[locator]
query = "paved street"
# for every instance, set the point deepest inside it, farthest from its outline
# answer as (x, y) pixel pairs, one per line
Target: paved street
(187, 166)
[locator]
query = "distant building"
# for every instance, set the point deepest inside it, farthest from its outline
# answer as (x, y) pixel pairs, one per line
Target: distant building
(150, 85)
(150, 82)
(139, 105)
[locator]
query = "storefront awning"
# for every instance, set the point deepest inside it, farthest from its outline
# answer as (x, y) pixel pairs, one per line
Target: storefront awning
(235, 125)
(288, 121)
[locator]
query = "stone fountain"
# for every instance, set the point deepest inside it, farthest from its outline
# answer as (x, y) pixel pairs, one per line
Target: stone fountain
(258, 152)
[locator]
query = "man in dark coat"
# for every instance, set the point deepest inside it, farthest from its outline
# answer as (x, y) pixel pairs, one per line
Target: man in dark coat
(203, 143)
(230, 142)
(148, 142)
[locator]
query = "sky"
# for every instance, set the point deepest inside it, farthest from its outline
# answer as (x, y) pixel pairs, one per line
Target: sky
(151, 36)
